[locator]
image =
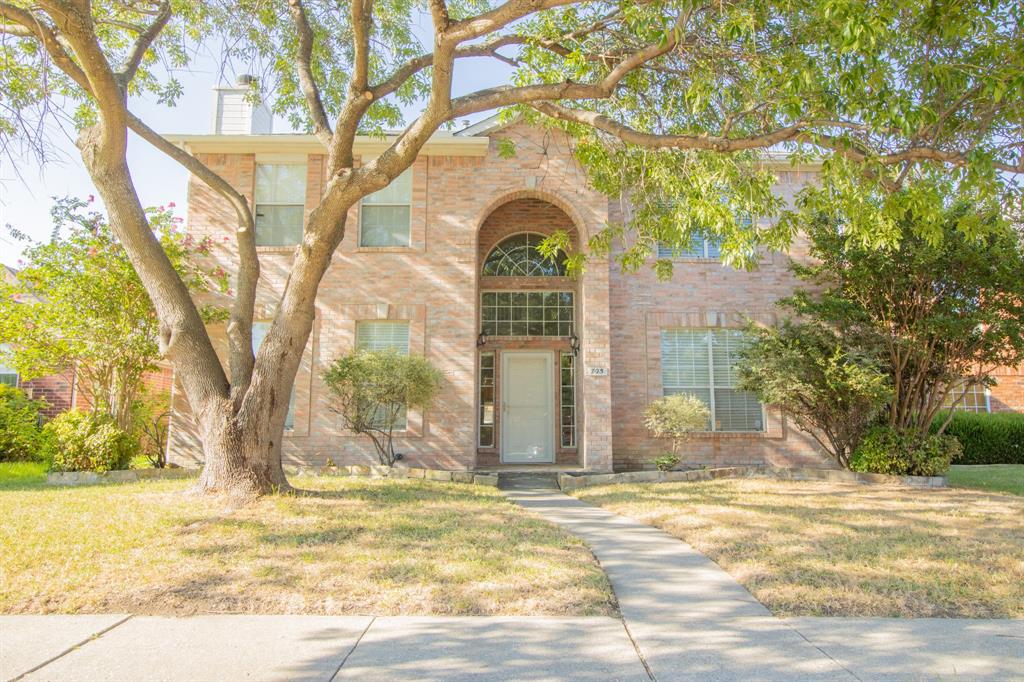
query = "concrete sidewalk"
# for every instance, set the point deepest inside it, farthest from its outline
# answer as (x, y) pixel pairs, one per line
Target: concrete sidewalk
(195, 649)
(690, 620)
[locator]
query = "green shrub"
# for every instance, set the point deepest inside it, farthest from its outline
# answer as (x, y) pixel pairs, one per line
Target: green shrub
(373, 391)
(887, 451)
(80, 441)
(986, 438)
(19, 425)
(667, 462)
(675, 417)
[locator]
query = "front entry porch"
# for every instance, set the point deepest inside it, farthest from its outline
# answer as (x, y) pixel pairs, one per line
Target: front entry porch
(533, 337)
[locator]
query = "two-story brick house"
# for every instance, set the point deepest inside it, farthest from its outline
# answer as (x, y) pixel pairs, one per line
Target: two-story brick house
(539, 367)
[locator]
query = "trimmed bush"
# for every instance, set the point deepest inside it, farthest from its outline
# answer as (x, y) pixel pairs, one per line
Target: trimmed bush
(80, 441)
(19, 425)
(888, 451)
(675, 417)
(986, 438)
(667, 462)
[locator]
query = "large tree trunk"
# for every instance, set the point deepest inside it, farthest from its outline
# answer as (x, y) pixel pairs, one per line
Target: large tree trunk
(242, 438)
(243, 453)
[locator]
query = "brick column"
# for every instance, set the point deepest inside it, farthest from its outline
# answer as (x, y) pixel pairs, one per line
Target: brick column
(595, 358)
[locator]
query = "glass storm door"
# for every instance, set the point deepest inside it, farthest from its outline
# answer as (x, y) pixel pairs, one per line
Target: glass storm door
(527, 416)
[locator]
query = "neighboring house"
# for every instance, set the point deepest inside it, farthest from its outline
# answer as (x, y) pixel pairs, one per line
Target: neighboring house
(539, 367)
(61, 390)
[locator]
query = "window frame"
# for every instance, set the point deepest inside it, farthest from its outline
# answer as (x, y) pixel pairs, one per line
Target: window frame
(257, 203)
(978, 407)
(363, 324)
(408, 228)
(402, 425)
(559, 263)
(663, 252)
(491, 374)
(711, 386)
(570, 369)
(571, 322)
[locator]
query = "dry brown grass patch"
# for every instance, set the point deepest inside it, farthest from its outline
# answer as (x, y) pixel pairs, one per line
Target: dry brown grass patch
(827, 549)
(351, 547)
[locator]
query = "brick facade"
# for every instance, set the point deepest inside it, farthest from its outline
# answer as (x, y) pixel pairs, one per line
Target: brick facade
(61, 392)
(462, 205)
(1008, 393)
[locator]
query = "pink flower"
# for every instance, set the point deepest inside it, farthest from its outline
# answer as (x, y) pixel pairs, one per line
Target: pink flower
(91, 198)
(170, 204)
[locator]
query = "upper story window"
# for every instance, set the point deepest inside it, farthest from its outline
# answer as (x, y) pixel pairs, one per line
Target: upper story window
(707, 247)
(280, 203)
(702, 363)
(700, 247)
(519, 256)
(384, 216)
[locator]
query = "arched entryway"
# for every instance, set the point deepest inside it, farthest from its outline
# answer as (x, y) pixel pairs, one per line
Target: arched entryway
(528, 388)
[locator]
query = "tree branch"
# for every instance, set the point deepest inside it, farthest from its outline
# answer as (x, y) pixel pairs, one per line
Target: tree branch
(321, 126)
(493, 98)
(240, 322)
(497, 18)
(143, 43)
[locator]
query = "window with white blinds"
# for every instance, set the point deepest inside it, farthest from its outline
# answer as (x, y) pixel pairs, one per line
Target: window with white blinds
(376, 336)
(259, 332)
(381, 336)
(701, 362)
(700, 247)
(384, 216)
(280, 203)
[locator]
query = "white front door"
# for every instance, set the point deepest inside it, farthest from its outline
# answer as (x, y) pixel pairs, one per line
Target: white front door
(527, 412)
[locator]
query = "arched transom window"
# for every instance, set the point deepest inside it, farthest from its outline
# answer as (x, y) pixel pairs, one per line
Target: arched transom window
(519, 256)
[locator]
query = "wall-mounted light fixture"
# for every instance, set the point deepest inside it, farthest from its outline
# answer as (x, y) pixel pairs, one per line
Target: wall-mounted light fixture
(574, 343)
(481, 340)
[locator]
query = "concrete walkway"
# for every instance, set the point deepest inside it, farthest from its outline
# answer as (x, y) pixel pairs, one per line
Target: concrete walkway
(690, 620)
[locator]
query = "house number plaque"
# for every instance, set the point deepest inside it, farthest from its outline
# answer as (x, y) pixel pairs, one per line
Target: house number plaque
(597, 371)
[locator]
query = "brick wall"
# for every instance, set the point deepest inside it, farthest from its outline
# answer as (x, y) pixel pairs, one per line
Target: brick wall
(58, 390)
(701, 293)
(1008, 393)
(433, 284)
(461, 207)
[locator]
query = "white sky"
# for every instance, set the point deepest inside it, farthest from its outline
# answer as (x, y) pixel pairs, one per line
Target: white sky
(26, 190)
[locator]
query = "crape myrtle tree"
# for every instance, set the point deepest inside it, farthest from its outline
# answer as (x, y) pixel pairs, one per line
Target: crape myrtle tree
(77, 303)
(672, 103)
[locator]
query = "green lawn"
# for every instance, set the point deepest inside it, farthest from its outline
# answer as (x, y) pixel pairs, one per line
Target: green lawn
(1004, 478)
(22, 475)
(347, 546)
(832, 549)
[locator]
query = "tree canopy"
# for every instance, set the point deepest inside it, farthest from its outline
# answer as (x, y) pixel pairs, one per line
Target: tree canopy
(676, 106)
